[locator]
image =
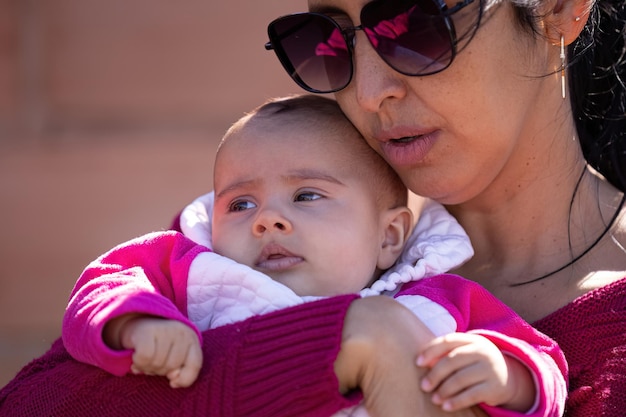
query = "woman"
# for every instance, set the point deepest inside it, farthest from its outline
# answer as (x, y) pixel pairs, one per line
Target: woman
(506, 131)
(476, 120)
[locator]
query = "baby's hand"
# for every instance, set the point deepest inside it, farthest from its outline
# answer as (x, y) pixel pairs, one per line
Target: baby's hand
(467, 369)
(163, 347)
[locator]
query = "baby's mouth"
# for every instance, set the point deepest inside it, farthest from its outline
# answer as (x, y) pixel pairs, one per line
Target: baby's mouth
(275, 257)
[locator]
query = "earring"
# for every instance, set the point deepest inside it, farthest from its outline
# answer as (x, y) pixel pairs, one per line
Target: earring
(577, 19)
(562, 56)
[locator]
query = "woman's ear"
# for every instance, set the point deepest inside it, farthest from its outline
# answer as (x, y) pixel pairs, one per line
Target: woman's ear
(566, 18)
(397, 224)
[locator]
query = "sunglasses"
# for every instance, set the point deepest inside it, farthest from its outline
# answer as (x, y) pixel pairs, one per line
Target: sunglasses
(414, 37)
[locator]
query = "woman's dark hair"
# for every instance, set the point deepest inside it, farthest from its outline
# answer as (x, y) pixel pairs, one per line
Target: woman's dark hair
(597, 84)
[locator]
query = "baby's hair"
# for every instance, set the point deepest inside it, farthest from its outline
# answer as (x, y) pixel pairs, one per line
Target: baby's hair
(319, 113)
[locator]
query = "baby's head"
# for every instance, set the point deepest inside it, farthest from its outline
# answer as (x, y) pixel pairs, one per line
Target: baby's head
(301, 197)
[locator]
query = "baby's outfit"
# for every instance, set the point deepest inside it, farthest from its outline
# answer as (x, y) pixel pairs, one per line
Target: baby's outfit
(177, 277)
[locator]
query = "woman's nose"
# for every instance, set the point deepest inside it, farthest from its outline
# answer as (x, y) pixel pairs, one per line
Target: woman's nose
(373, 81)
(270, 221)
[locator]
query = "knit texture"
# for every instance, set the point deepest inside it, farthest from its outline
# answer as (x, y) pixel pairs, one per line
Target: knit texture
(244, 374)
(591, 331)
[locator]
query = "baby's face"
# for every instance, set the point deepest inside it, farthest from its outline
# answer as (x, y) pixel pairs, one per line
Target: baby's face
(287, 205)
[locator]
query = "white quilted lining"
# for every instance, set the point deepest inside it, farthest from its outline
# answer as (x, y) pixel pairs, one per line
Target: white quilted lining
(221, 291)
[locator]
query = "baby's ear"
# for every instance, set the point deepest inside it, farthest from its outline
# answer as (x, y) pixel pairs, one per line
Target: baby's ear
(397, 224)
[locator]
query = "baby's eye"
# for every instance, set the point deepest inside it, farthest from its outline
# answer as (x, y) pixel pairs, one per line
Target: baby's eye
(241, 205)
(307, 196)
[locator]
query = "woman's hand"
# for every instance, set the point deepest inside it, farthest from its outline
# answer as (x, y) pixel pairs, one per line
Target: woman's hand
(381, 342)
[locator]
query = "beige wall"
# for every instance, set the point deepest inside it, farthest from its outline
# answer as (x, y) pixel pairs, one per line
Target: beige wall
(110, 111)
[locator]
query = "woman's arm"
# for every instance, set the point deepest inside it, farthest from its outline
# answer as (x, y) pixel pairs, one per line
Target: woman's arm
(379, 349)
(296, 361)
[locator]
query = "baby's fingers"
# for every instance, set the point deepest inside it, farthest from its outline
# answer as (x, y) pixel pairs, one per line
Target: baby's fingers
(450, 374)
(151, 358)
(185, 375)
(464, 399)
(461, 388)
(440, 347)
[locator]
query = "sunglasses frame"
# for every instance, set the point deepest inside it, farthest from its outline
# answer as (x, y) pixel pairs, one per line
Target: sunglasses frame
(348, 34)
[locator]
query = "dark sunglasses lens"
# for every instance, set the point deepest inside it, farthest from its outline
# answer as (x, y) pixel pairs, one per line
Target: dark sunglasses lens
(313, 50)
(413, 37)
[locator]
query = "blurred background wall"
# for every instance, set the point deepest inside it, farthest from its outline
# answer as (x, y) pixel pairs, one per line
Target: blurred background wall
(110, 112)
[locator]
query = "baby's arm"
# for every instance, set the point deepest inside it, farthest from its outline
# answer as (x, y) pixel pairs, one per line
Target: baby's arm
(160, 347)
(467, 369)
(146, 276)
(521, 347)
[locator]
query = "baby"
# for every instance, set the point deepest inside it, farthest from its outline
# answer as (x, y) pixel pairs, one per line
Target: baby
(303, 208)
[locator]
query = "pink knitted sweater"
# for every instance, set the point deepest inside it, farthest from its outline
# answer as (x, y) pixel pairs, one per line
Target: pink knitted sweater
(591, 331)
(241, 375)
(278, 364)
(245, 378)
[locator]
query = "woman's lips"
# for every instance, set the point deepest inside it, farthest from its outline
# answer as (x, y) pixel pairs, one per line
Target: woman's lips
(408, 150)
(274, 257)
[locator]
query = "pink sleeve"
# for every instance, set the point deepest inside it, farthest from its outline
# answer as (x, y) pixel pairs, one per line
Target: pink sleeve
(145, 275)
(478, 311)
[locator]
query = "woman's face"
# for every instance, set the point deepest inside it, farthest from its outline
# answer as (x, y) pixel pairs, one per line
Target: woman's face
(453, 135)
